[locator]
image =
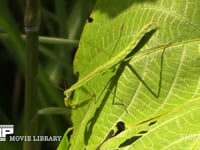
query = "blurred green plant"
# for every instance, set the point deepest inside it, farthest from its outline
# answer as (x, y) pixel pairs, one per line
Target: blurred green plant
(61, 25)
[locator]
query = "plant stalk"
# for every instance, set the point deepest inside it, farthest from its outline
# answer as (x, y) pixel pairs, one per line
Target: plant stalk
(31, 23)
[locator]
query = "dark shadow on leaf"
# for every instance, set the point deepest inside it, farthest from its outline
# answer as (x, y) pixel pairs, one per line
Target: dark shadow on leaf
(152, 120)
(112, 83)
(109, 135)
(133, 139)
(92, 122)
(156, 94)
(114, 8)
(142, 42)
(120, 127)
(129, 141)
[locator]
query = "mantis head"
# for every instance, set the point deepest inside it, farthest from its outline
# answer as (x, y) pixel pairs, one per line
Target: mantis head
(68, 100)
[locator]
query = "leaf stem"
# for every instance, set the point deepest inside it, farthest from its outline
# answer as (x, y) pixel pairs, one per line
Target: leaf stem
(48, 40)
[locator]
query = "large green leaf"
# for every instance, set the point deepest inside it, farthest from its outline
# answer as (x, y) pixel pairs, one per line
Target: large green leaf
(151, 101)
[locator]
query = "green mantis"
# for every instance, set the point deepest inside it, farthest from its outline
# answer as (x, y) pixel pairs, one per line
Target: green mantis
(109, 64)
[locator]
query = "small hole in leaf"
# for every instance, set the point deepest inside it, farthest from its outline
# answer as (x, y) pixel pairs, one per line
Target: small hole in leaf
(132, 139)
(152, 123)
(90, 19)
(120, 127)
(129, 141)
(142, 132)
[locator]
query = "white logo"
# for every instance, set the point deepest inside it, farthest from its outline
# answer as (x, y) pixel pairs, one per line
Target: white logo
(9, 129)
(5, 130)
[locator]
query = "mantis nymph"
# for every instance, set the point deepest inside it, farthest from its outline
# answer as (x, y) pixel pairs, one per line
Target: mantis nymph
(109, 64)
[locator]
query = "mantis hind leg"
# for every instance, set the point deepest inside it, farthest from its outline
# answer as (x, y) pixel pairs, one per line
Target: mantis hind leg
(120, 101)
(111, 87)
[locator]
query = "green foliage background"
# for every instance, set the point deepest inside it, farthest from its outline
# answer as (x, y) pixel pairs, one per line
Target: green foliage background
(55, 68)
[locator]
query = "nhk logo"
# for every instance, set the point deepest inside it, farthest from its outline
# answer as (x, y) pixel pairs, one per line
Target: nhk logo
(5, 130)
